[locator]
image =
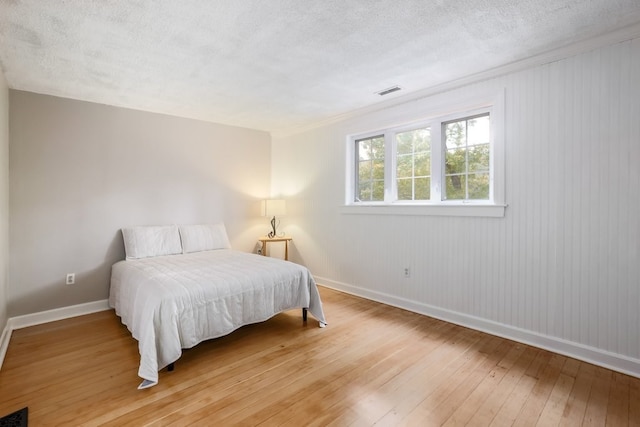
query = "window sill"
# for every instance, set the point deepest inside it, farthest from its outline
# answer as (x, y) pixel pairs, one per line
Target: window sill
(477, 210)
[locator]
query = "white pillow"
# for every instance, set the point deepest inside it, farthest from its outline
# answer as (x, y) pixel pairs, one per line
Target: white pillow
(196, 238)
(149, 241)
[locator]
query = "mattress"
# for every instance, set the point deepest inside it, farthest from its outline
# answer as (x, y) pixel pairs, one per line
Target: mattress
(174, 302)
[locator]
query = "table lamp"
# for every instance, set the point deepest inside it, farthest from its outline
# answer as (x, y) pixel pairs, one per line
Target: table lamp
(273, 208)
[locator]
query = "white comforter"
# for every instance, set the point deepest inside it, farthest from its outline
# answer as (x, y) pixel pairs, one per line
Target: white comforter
(176, 301)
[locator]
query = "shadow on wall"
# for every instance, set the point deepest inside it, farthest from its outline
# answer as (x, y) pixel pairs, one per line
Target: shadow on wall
(90, 285)
(115, 250)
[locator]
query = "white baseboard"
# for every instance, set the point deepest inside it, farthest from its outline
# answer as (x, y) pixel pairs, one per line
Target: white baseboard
(33, 319)
(27, 320)
(4, 342)
(613, 361)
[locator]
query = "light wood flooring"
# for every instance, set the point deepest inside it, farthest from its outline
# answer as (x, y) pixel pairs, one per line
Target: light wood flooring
(373, 364)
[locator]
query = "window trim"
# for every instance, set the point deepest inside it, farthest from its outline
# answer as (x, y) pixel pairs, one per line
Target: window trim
(464, 106)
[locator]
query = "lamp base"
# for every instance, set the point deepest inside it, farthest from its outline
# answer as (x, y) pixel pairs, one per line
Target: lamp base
(272, 233)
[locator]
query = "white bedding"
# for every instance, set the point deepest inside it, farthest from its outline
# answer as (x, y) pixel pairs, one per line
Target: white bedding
(176, 301)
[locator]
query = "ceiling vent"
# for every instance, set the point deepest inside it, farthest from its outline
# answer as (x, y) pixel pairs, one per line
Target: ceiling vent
(389, 90)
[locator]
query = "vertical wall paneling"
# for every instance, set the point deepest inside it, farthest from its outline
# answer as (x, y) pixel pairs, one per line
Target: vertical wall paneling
(560, 270)
(631, 246)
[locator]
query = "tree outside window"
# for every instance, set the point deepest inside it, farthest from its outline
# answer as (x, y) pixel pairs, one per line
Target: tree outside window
(413, 164)
(467, 157)
(370, 153)
(439, 161)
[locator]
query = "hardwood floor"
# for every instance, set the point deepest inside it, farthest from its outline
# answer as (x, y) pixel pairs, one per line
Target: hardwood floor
(373, 364)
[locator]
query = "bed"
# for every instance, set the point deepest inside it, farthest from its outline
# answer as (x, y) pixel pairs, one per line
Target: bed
(181, 285)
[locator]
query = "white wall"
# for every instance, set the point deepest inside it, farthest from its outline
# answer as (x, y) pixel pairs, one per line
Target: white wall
(561, 270)
(81, 171)
(4, 200)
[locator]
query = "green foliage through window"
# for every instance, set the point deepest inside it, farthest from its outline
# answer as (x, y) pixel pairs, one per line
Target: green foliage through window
(370, 168)
(467, 157)
(413, 164)
(441, 159)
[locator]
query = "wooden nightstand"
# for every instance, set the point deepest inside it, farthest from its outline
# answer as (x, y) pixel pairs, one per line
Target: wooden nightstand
(267, 239)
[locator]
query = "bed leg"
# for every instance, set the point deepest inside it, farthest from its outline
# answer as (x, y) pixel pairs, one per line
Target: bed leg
(171, 367)
(304, 314)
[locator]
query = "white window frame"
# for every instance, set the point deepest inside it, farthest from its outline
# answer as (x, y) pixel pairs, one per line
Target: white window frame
(460, 109)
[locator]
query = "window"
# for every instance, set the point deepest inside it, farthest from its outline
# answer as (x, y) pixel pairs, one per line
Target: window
(370, 154)
(413, 164)
(453, 160)
(467, 158)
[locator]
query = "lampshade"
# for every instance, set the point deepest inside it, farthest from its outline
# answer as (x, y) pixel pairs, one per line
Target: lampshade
(273, 207)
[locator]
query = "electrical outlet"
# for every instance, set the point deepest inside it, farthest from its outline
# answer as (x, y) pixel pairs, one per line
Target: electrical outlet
(407, 272)
(71, 278)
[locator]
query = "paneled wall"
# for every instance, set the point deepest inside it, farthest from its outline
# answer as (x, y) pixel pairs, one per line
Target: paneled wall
(561, 270)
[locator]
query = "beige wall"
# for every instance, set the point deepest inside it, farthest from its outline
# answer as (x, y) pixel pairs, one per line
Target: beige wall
(81, 171)
(4, 198)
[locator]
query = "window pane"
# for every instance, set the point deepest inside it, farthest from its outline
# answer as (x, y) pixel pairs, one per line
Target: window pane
(378, 169)
(423, 164)
(456, 187)
(478, 130)
(479, 186)
(371, 191)
(467, 158)
(413, 157)
(364, 170)
(405, 143)
(413, 141)
(422, 189)
(364, 191)
(423, 140)
(414, 189)
(405, 191)
(478, 157)
(371, 148)
(405, 166)
(370, 173)
(378, 191)
(455, 161)
(455, 134)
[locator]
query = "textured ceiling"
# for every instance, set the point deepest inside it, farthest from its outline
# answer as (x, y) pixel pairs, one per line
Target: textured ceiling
(279, 64)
